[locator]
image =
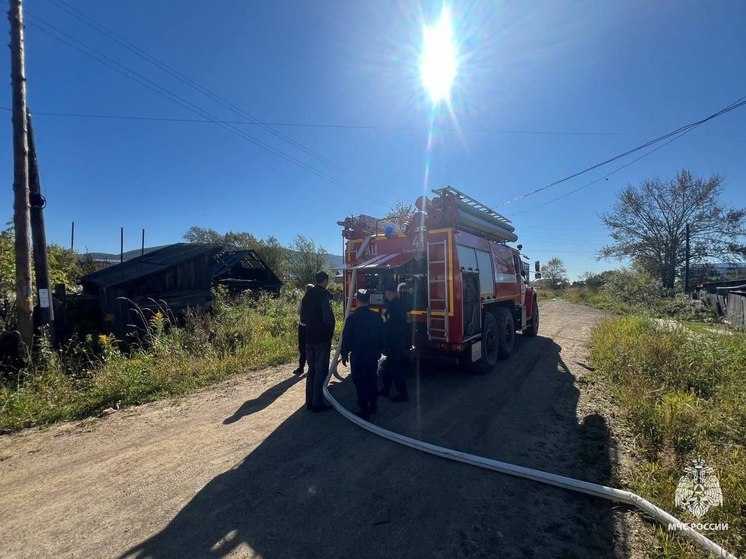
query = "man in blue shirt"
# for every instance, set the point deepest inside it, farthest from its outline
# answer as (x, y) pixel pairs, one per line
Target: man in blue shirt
(395, 329)
(362, 343)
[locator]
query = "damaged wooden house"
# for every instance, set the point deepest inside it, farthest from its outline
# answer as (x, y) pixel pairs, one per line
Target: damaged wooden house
(178, 276)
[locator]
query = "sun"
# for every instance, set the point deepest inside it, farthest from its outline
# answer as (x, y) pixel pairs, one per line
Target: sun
(438, 60)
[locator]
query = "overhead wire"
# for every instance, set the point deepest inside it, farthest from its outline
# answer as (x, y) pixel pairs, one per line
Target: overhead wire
(81, 47)
(324, 125)
(138, 51)
(128, 72)
(675, 134)
(604, 177)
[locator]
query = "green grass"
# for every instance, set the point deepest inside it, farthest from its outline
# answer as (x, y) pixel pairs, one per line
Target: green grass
(683, 397)
(241, 335)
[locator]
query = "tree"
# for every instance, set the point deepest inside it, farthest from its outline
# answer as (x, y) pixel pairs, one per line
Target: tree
(400, 213)
(594, 281)
(269, 249)
(306, 259)
(65, 266)
(554, 273)
(648, 225)
(7, 265)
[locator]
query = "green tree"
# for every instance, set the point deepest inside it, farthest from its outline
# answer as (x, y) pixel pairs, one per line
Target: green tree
(269, 249)
(306, 259)
(589, 279)
(67, 266)
(554, 273)
(648, 225)
(7, 264)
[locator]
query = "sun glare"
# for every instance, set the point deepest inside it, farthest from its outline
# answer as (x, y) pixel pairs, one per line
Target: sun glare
(438, 64)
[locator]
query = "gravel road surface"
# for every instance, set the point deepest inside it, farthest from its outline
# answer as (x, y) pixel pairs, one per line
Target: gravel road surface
(243, 470)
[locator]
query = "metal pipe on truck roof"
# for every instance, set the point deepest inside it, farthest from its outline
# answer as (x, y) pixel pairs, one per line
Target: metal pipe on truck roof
(468, 221)
(501, 222)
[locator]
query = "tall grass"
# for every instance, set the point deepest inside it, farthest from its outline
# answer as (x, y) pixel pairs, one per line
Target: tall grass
(678, 306)
(684, 396)
(242, 334)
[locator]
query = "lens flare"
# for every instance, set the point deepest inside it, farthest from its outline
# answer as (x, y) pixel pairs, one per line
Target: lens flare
(439, 60)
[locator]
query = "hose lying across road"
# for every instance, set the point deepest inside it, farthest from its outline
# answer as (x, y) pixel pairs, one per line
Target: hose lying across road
(596, 490)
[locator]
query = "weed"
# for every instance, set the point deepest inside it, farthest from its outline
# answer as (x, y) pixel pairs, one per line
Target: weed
(683, 396)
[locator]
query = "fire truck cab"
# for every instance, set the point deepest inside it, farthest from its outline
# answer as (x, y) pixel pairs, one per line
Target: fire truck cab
(467, 290)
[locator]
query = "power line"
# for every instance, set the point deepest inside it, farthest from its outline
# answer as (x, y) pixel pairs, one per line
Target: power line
(333, 126)
(606, 176)
(81, 47)
(92, 23)
(676, 134)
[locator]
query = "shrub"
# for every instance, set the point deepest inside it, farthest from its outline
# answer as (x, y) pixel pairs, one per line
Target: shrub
(633, 289)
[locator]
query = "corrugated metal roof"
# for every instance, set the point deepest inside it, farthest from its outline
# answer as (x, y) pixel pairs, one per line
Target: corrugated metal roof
(150, 263)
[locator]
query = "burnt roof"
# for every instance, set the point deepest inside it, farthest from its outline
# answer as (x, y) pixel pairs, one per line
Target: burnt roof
(151, 263)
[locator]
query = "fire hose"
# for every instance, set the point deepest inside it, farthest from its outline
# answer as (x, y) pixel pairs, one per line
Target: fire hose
(596, 490)
(588, 488)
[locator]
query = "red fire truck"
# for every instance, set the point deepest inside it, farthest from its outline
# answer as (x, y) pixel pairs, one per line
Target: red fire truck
(468, 291)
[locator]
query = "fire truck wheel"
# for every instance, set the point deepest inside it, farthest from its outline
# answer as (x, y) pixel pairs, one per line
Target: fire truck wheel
(533, 330)
(506, 332)
(490, 344)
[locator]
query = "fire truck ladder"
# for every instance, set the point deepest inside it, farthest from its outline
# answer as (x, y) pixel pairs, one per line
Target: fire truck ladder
(437, 290)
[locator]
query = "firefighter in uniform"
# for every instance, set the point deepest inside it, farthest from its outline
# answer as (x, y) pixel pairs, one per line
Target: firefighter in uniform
(362, 344)
(395, 329)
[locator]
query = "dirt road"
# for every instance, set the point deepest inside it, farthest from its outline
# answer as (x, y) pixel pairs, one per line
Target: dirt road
(243, 470)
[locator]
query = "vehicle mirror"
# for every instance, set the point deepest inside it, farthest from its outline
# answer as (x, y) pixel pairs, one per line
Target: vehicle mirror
(537, 266)
(537, 275)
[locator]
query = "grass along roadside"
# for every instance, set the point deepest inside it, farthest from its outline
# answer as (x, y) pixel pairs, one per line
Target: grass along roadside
(683, 397)
(241, 335)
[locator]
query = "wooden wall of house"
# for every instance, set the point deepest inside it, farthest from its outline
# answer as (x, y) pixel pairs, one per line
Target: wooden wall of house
(736, 309)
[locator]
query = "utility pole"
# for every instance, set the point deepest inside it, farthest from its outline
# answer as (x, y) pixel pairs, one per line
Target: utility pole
(121, 245)
(39, 236)
(686, 268)
(72, 237)
(142, 250)
(21, 214)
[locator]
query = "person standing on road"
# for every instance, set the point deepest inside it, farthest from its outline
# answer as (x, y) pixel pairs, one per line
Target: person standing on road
(302, 336)
(316, 313)
(395, 329)
(362, 343)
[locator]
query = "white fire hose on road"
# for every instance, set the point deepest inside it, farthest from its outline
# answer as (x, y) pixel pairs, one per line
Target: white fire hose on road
(593, 489)
(588, 488)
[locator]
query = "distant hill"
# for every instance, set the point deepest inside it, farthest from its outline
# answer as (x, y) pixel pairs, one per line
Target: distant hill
(128, 255)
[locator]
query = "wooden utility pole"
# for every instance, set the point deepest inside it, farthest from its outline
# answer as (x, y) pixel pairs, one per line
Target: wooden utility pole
(142, 249)
(121, 245)
(72, 237)
(21, 217)
(39, 236)
(686, 269)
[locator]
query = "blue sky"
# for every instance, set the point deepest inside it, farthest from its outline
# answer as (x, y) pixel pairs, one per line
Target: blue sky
(544, 89)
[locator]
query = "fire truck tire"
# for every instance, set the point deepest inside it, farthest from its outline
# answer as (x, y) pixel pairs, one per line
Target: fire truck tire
(533, 330)
(505, 332)
(490, 344)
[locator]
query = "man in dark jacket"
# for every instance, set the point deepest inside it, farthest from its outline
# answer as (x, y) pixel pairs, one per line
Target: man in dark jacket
(316, 313)
(363, 338)
(395, 329)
